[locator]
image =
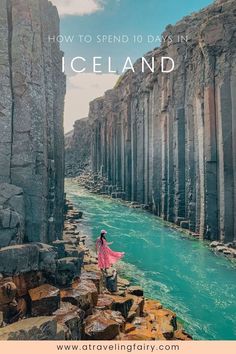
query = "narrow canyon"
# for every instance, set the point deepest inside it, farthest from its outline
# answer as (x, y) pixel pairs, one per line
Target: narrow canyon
(168, 141)
(50, 285)
(165, 142)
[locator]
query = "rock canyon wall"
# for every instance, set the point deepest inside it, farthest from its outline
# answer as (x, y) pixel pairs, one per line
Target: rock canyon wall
(31, 123)
(169, 140)
(77, 148)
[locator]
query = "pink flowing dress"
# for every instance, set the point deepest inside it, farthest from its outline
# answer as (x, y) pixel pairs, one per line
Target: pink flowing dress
(106, 257)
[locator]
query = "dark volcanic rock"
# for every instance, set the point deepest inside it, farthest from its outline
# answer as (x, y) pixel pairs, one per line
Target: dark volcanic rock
(1, 319)
(44, 300)
(38, 328)
(27, 281)
(103, 325)
(67, 269)
(19, 259)
(47, 258)
(31, 126)
(122, 304)
(8, 292)
(83, 294)
(135, 290)
(12, 215)
(71, 317)
(77, 148)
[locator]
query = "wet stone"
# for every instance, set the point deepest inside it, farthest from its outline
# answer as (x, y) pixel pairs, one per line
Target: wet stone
(75, 214)
(182, 335)
(214, 244)
(221, 248)
(135, 290)
(44, 300)
(167, 323)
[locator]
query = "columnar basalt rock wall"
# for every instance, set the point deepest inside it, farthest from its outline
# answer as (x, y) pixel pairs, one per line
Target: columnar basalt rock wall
(77, 148)
(31, 113)
(169, 140)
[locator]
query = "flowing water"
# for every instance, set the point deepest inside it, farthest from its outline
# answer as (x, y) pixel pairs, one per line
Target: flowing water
(181, 272)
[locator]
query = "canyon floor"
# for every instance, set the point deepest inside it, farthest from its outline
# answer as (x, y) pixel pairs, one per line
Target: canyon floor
(180, 271)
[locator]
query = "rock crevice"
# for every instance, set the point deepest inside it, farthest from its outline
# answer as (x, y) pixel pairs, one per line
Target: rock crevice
(77, 148)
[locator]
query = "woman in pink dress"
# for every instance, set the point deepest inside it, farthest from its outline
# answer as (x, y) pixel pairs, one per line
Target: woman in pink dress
(106, 257)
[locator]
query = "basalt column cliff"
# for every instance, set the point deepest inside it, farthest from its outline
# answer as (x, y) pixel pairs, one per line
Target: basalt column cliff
(169, 140)
(31, 123)
(77, 148)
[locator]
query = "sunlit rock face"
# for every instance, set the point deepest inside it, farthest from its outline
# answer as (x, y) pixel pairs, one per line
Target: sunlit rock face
(168, 140)
(31, 117)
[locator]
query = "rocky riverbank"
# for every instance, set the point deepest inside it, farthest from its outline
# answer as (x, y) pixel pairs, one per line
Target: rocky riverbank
(57, 292)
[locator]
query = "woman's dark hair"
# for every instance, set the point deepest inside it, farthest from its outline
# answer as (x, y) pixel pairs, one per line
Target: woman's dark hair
(102, 237)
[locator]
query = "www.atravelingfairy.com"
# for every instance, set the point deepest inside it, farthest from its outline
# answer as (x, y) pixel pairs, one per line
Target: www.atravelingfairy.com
(129, 348)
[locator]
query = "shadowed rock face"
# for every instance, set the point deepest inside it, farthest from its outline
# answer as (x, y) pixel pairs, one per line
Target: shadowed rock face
(31, 114)
(77, 148)
(168, 140)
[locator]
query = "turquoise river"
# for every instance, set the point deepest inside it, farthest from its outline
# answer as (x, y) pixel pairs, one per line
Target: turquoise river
(182, 273)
